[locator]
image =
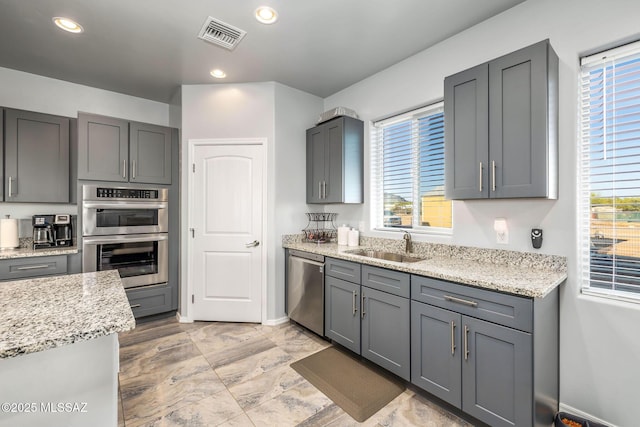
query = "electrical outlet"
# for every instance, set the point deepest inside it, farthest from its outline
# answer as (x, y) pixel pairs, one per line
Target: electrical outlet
(502, 231)
(502, 237)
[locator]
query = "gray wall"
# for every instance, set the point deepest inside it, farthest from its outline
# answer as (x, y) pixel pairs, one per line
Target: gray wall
(270, 110)
(599, 346)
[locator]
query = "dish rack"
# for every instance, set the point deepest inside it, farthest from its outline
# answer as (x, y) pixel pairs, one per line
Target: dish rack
(320, 228)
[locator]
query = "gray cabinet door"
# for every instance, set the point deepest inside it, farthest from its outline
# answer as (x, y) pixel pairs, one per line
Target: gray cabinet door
(316, 149)
(386, 340)
(466, 122)
(342, 313)
(519, 121)
(436, 352)
(497, 373)
(333, 164)
(36, 157)
(103, 148)
(149, 153)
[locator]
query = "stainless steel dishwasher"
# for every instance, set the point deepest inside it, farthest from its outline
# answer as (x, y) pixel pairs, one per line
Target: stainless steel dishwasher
(305, 290)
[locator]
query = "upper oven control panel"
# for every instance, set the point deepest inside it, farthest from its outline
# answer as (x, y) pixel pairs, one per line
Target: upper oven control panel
(100, 193)
(125, 193)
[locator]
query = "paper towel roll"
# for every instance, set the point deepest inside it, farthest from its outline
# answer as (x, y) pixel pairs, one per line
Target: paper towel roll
(354, 237)
(343, 234)
(8, 233)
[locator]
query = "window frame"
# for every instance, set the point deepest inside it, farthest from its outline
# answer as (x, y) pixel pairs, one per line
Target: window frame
(627, 52)
(376, 178)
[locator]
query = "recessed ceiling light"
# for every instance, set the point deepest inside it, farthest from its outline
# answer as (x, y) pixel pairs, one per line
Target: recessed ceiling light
(68, 24)
(266, 15)
(218, 74)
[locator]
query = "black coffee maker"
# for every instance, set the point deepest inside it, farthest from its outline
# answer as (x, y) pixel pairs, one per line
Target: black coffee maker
(43, 231)
(63, 230)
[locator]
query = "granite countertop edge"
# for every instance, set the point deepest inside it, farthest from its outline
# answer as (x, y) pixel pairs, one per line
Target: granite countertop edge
(32, 253)
(527, 281)
(97, 300)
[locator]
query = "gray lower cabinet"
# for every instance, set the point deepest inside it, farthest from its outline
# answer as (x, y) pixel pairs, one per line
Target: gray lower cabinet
(148, 300)
(111, 149)
(342, 312)
(335, 161)
(385, 337)
(32, 267)
(36, 157)
(475, 349)
(501, 127)
(367, 320)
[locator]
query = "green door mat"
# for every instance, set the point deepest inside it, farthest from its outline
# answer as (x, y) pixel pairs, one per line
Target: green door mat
(358, 387)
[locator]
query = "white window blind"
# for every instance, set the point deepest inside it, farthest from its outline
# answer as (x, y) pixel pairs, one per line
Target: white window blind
(407, 165)
(609, 167)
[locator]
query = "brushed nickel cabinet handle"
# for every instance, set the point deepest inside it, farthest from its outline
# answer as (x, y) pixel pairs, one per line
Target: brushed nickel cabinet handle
(124, 168)
(493, 175)
(319, 189)
(136, 305)
(453, 338)
(133, 169)
(362, 313)
(33, 267)
(461, 301)
(324, 189)
(10, 186)
(480, 178)
(466, 342)
(355, 309)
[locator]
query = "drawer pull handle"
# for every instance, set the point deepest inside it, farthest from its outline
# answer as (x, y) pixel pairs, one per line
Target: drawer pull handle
(355, 310)
(453, 338)
(461, 301)
(136, 305)
(466, 342)
(33, 267)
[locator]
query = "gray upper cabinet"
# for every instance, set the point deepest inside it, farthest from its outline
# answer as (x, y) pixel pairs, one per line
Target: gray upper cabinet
(103, 148)
(116, 150)
(36, 162)
(335, 161)
(150, 153)
(501, 127)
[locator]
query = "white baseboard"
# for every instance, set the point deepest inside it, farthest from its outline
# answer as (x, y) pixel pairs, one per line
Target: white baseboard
(276, 322)
(571, 410)
(182, 319)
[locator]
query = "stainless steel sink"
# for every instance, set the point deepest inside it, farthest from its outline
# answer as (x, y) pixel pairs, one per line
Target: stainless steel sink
(387, 256)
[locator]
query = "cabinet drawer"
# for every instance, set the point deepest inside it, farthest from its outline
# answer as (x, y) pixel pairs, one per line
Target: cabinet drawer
(508, 310)
(393, 282)
(21, 268)
(149, 300)
(345, 270)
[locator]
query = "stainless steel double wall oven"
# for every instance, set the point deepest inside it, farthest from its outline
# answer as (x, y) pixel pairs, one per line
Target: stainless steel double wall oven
(126, 229)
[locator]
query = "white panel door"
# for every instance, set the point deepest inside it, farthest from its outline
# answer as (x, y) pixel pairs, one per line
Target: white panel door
(226, 218)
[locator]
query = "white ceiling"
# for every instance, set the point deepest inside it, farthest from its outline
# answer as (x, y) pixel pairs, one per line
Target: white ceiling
(147, 48)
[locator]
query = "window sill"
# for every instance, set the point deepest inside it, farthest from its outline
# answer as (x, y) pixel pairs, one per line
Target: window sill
(628, 297)
(445, 232)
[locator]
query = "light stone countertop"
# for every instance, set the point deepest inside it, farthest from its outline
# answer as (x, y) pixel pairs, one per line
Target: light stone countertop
(48, 312)
(519, 273)
(27, 252)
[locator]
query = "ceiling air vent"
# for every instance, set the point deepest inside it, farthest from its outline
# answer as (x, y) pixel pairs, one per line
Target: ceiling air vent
(221, 33)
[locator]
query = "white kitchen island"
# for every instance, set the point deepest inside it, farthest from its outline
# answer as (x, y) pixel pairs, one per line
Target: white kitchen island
(59, 349)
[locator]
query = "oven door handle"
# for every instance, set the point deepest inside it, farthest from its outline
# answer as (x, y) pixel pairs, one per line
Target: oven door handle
(122, 238)
(125, 204)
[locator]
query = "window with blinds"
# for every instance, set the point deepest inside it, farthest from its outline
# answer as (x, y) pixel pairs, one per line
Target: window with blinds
(407, 164)
(610, 172)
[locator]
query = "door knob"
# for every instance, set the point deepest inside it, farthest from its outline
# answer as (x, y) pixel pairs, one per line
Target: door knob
(252, 244)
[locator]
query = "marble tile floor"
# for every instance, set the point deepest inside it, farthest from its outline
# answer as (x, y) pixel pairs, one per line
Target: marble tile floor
(238, 374)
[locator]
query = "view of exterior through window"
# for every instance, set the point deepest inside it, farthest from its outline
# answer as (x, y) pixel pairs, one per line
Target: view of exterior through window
(610, 171)
(408, 165)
